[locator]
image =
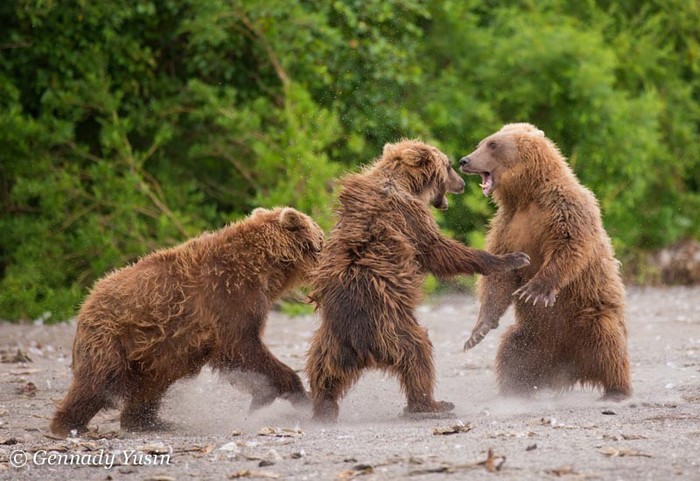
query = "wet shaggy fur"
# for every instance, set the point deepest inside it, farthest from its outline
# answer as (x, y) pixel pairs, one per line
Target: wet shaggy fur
(569, 303)
(370, 275)
(206, 301)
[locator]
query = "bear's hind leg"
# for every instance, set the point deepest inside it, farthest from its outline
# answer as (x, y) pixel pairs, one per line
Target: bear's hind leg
(601, 351)
(325, 399)
(77, 409)
(330, 375)
(140, 413)
(416, 372)
(521, 364)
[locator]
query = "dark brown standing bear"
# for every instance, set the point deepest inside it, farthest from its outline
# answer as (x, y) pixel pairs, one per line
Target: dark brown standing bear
(569, 303)
(206, 301)
(370, 275)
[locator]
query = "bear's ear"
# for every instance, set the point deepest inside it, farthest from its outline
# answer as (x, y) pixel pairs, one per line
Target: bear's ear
(291, 219)
(408, 152)
(523, 127)
(417, 155)
(389, 150)
(258, 210)
(537, 132)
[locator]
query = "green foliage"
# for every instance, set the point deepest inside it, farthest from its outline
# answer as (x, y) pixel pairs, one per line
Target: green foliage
(293, 309)
(128, 126)
(609, 90)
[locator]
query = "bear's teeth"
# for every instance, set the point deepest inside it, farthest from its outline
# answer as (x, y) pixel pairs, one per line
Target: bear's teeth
(486, 183)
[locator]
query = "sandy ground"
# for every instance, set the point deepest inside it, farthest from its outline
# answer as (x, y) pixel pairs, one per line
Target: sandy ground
(655, 435)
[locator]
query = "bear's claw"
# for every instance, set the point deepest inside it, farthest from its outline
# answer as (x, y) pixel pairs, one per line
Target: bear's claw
(536, 293)
(479, 332)
(516, 260)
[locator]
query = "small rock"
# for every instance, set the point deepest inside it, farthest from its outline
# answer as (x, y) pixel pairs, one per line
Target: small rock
(16, 358)
(302, 454)
(28, 389)
(273, 455)
(232, 446)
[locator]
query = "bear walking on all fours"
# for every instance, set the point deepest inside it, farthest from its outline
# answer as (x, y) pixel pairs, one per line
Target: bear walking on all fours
(569, 303)
(206, 301)
(370, 275)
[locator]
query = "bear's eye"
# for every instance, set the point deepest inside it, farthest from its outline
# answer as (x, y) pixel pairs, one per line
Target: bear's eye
(492, 145)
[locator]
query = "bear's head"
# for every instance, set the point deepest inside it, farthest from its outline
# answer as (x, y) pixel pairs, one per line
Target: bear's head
(510, 159)
(423, 169)
(295, 238)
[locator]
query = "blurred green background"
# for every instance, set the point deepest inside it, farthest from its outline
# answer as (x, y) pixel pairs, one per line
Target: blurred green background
(131, 125)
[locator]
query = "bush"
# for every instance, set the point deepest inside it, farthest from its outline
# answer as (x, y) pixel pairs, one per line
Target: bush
(132, 126)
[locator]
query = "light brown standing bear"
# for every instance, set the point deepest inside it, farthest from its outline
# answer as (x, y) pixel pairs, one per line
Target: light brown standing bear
(369, 279)
(206, 301)
(569, 303)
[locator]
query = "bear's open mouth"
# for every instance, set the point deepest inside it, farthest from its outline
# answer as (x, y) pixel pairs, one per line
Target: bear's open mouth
(440, 202)
(486, 183)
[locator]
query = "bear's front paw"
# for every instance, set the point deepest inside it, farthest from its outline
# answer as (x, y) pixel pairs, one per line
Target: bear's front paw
(537, 292)
(515, 260)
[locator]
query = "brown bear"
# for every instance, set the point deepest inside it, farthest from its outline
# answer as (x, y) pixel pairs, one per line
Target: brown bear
(147, 325)
(370, 274)
(569, 302)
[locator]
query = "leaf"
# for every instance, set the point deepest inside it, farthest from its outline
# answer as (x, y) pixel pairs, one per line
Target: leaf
(89, 445)
(561, 471)
(457, 428)
(359, 470)
(197, 450)
(154, 448)
(248, 473)
(614, 453)
(18, 357)
(492, 464)
(24, 372)
(10, 441)
(281, 432)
